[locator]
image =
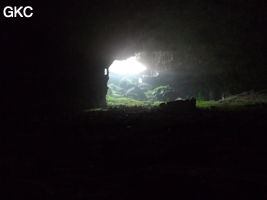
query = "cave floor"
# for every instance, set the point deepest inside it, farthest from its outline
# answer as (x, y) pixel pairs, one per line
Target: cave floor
(138, 154)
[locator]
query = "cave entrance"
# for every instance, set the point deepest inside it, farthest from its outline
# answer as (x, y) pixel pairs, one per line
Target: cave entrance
(133, 83)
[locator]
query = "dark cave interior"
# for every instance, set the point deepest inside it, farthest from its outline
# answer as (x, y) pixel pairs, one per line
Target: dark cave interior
(56, 60)
(62, 141)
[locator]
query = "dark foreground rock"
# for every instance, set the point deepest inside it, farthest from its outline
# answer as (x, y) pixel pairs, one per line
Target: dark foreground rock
(137, 154)
(180, 105)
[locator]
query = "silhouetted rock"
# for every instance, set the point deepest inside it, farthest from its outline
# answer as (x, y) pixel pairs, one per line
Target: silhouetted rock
(136, 93)
(163, 93)
(180, 105)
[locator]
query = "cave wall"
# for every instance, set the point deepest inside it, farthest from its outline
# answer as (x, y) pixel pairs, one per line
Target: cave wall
(55, 61)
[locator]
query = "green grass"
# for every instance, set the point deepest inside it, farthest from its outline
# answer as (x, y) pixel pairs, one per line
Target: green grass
(206, 104)
(126, 101)
(238, 101)
(95, 110)
(246, 98)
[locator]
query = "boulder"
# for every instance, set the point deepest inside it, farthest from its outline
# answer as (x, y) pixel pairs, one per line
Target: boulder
(180, 105)
(136, 93)
(163, 93)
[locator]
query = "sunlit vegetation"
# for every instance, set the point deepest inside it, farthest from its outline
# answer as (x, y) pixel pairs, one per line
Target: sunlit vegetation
(206, 104)
(247, 98)
(242, 100)
(126, 101)
(95, 110)
(126, 93)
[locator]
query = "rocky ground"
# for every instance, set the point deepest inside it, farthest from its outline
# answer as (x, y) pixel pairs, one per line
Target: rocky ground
(137, 153)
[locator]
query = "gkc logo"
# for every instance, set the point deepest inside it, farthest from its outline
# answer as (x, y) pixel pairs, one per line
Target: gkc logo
(21, 11)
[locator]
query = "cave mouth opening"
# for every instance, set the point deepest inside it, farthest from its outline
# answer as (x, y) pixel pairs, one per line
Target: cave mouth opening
(133, 83)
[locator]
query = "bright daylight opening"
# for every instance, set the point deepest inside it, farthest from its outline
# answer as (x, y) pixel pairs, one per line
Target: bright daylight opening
(129, 66)
(132, 83)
